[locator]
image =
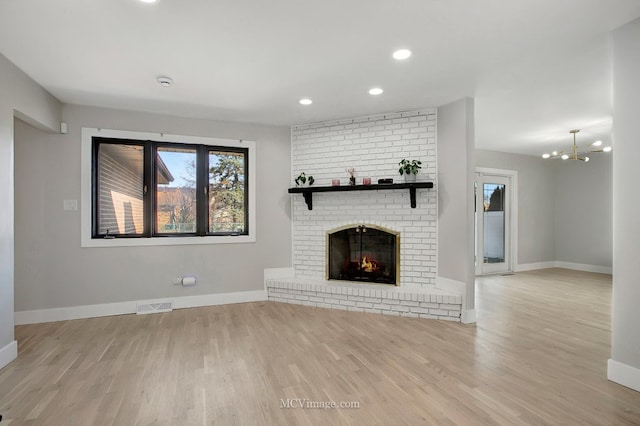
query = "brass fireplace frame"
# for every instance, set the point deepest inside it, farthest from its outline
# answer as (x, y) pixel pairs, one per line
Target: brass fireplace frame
(376, 227)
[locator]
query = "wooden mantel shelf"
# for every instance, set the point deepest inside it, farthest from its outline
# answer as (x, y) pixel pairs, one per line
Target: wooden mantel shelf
(307, 191)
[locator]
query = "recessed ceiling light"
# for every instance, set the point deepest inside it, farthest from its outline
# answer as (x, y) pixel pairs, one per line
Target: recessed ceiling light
(148, 1)
(305, 101)
(375, 91)
(401, 54)
(165, 81)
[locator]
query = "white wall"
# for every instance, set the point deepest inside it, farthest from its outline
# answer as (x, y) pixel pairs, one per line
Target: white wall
(536, 203)
(456, 166)
(624, 365)
(52, 270)
(584, 211)
(19, 96)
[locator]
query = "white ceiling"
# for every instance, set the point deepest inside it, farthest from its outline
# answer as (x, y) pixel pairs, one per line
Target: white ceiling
(536, 68)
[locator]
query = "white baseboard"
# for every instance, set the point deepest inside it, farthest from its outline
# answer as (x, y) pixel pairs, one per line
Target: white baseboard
(534, 266)
(468, 316)
(624, 374)
(587, 268)
(8, 353)
(129, 307)
(566, 265)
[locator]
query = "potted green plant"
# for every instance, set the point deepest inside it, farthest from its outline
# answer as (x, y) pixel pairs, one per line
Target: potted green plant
(303, 180)
(409, 169)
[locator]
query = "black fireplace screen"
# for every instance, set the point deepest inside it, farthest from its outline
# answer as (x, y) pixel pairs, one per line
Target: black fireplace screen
(363, 253)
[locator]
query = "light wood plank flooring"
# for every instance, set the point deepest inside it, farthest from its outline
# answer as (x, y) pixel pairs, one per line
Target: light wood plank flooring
(537, 355)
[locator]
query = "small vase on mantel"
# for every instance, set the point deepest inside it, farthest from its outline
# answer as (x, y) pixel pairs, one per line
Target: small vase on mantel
(409, 178)
(352, 175)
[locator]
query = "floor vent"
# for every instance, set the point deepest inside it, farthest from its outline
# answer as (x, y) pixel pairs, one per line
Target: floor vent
(152, 308)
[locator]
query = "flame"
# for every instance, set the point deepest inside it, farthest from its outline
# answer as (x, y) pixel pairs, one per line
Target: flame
(368, 265)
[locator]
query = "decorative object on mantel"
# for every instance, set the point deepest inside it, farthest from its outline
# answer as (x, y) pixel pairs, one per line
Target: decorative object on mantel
(352, 175)
(385, 181)
(578, 152)
(366, 181)
(303, 179)
(335, 182)
(409, 169)
(307, 192)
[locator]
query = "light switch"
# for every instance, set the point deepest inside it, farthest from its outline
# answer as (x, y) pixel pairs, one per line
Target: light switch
(71, 204)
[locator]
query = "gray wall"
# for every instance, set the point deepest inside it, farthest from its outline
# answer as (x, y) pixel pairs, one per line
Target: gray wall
(584, 211)
(20, 96)
(52, 270)
(455, 195)
(536, 203)
(564, 208)
(626, 196)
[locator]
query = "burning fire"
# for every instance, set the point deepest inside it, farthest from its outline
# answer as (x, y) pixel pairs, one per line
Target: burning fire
(368, 265)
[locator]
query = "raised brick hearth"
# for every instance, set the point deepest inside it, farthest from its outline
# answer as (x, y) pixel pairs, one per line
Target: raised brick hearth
(379, 299)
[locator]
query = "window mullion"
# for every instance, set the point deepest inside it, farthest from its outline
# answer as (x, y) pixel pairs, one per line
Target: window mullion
(246, 190)
(148, 192)
(95, 194)
(202, 185)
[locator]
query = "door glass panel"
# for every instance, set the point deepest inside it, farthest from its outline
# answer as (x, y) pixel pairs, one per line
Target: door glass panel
(494, 243)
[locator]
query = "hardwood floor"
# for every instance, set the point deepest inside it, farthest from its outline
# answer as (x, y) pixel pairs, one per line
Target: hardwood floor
(537, 355)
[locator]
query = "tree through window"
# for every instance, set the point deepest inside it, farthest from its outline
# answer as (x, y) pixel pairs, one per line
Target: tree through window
(147, 189)
(227, 207)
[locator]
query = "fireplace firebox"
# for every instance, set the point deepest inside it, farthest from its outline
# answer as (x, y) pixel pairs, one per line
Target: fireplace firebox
(366, 253)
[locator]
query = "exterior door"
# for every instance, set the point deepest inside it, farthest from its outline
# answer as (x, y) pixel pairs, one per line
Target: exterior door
(493, 223)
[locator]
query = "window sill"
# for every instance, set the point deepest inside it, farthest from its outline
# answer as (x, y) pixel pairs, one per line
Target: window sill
(167, 241)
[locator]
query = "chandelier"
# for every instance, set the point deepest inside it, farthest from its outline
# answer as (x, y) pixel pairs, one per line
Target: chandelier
(578, 152)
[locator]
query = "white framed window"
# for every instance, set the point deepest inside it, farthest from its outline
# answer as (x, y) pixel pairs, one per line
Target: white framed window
(142, 188)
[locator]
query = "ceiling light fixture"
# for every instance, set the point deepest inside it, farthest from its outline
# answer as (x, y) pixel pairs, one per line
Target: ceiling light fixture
(305, 101)
(375, 91)
(165, 81)
(401, 54)
(148, 1)
(577, 152)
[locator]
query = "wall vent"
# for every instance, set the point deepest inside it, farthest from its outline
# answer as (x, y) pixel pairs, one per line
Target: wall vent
(152, 308)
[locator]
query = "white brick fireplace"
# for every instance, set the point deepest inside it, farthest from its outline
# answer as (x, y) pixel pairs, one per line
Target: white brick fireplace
(373, 146)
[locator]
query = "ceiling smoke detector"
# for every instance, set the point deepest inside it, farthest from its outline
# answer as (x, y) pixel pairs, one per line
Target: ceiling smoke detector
(165, 81)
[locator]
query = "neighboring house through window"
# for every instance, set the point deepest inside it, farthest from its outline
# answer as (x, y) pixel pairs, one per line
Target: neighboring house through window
(157, 186)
